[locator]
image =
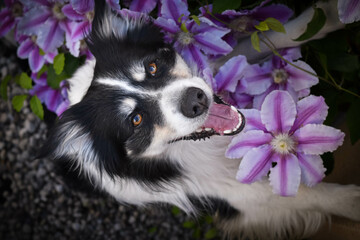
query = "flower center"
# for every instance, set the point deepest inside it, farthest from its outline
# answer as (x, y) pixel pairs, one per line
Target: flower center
(279, 76)
(90, 16)
(33, 38)
(283, 143)
(56, 10)
(240, 24)
(17, 10)
(185, 38)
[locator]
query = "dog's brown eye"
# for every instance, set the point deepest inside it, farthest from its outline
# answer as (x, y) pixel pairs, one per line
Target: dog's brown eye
(137, 119)
(152, 68)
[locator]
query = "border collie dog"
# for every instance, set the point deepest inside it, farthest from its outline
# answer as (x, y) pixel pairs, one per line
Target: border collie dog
(137, 113)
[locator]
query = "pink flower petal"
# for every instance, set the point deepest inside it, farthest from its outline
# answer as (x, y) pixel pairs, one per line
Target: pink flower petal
(317, 139)
(255, 164)
(192, 54)
(278, 112)
(244, 142)
(70, 13)
(51, 36)
(169, 25)
(212, 44)
(312, 169)
(311, 109)
(32, 22)
(299, 79)
(285, 176)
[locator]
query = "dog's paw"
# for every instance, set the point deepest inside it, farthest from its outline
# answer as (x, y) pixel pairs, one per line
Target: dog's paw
(348, 204)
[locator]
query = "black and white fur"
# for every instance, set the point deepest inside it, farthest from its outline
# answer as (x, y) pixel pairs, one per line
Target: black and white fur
(96, 141)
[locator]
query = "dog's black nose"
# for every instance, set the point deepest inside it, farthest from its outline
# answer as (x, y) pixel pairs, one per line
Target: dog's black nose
(194, 102)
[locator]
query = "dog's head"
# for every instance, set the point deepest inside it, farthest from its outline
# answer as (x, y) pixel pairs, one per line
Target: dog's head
(141, 98)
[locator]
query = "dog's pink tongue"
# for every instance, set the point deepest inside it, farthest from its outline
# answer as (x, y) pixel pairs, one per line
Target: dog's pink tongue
(222, 118)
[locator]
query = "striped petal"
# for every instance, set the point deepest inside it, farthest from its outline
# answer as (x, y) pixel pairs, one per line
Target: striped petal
(257, 79)
(51, 36)
(33, 20)
(145, 6)
(174, 9)
(299, 79)
(349, 10)
(317, 139)
(192, 54)
(6, 25)
(82, 6)
(285, 176)
(230, 73)
(312, 169)
(311, 109)
(212, 44)
(253, 120)
(244, 142)
(241, 100)
(169, 25)
(255, 164)
(25, 48)
(70, 13)
(278, 112)
(36, 61)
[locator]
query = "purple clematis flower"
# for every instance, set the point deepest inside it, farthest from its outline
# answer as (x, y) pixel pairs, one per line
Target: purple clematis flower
(291, 136)
(46, 20)
(227, 84)
(276, 74)
(349, 10)
(144, 6)
(81, 12)
(10, 16)
(56, 100)
(194, 42)
(29, 49)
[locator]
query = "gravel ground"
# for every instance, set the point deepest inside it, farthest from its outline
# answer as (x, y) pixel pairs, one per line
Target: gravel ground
(35, 204)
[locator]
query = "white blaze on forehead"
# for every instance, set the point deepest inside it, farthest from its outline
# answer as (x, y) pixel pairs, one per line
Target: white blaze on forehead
(138, 73)
(125, 86)
(127, 106)
(181, 69)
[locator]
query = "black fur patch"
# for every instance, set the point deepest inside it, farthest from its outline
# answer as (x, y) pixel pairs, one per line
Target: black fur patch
(213, 205)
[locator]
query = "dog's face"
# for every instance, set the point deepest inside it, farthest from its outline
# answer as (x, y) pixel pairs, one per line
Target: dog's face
(142, 98)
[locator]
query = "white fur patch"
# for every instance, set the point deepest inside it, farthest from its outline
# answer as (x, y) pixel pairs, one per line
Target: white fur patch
(127, 106)
(81, 81)
(181, 69)
(138, 73)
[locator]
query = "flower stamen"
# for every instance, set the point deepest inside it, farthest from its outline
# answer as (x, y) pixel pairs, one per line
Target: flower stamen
(185, 38)
(280, 76)
(56, 10)
(283, 143)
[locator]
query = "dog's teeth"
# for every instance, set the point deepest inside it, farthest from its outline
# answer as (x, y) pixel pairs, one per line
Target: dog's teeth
(234, 108)
(207, 129)
(199, 130)
(227, 131)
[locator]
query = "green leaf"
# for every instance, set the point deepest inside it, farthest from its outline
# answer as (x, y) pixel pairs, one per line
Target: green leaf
(179, 19)
(53, 79)
(175, 210)
(41, 52)
(42, 70)
(183, 27)
(317, 22)
(275, 25)
(25, 81)
(211, 233)
(197, 233)
(36, 107)
(353, 120)
(18, 102)
(152, 230)
(196, 19)
(3, 87)
(255, 41)
(209, 219)
(59, 62)
(262, 26)
(189, 224)
(221, 5)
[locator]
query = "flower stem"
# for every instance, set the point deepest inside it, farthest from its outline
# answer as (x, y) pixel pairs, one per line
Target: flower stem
(272, 47)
